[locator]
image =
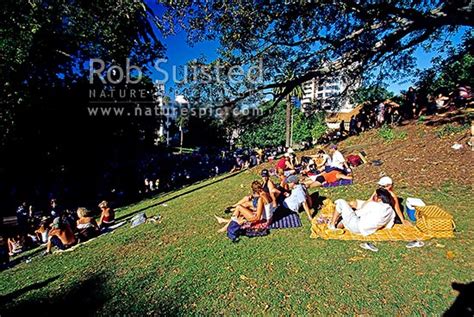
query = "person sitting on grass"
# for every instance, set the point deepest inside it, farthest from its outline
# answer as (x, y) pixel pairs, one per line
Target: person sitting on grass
(338, 162)
(293, 158)
(250, 201)
(107, 216)
(284, 165)
(263, 211)
(269, 187)
(323, 161)
(283, 185)
(60, 236)
(298, 197)
(369, 217)
(16, 244)
(43, 229)
(87, 227)
(325, 178)
(387, 183)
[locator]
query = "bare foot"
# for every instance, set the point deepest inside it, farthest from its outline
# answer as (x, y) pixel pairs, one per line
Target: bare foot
(223, 229)
(221, 220)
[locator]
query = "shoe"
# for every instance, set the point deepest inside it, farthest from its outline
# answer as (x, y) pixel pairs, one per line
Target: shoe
(369, 246)
(415, 244)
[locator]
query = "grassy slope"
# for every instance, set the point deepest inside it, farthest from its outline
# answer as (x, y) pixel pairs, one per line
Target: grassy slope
(183, 266)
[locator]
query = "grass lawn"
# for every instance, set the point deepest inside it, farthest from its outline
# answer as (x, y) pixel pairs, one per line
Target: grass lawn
(183, 266)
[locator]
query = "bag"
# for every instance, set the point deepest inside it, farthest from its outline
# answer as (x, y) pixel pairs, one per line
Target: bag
(138, 219)
(234, 231)
(354, 160)
(435, 221)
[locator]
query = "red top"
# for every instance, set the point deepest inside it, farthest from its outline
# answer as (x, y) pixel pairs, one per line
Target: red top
(281, 164)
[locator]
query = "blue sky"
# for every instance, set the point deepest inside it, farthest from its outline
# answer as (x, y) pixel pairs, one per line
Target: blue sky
(179, 52)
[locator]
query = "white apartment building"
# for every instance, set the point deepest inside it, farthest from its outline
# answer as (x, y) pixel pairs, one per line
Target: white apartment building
(325, 93)
(170, 111)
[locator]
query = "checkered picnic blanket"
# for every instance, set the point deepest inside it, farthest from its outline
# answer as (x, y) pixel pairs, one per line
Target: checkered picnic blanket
(397, 233)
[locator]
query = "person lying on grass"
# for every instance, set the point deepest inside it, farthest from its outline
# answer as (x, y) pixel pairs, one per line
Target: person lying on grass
(325, 178)
(298, 197)
(60, 236)
(387, 183)
(369, 216)
(86, 225)
(263, 211)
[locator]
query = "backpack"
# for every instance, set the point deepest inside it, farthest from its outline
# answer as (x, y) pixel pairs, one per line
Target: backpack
(354, 160)
(234, 230)
(138, 219)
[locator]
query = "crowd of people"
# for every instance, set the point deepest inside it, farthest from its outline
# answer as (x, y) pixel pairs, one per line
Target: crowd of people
(374, 114)
(62, 228)
(58, 228)
(289, 194)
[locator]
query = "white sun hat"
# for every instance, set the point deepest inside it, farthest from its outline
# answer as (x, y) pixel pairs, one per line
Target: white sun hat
(385, 181)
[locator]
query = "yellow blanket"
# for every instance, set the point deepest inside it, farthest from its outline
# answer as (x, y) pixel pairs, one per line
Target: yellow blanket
(397, 233)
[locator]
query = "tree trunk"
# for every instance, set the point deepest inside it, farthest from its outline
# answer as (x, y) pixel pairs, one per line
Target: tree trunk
(288, 122)
(181, 140)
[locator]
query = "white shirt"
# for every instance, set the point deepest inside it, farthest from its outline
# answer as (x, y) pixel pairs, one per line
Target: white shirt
(327, 160)
(296, 198)
(373, 216)
(338, 160)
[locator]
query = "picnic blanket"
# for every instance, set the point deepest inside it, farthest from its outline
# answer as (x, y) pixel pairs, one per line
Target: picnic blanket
(341, 182)
(291, 220)
(396, 233)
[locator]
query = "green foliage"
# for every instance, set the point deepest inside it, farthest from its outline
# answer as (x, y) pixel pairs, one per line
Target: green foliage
(45, 45)
(308, 128)
(319, 126)
(270, 129)
(371, 94)
(451, 129)
(315, 39)
(447, 73)
(388, 134)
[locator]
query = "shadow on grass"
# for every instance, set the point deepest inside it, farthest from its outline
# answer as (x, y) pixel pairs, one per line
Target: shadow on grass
(5, 299)
(463, 305)
(129, 216)
(84, 299)
(23, 257)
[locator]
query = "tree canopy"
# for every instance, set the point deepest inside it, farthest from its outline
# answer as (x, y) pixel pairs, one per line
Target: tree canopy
(317, 39)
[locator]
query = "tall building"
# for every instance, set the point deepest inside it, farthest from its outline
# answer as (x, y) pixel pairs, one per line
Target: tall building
(170, 111)
(327, 94)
